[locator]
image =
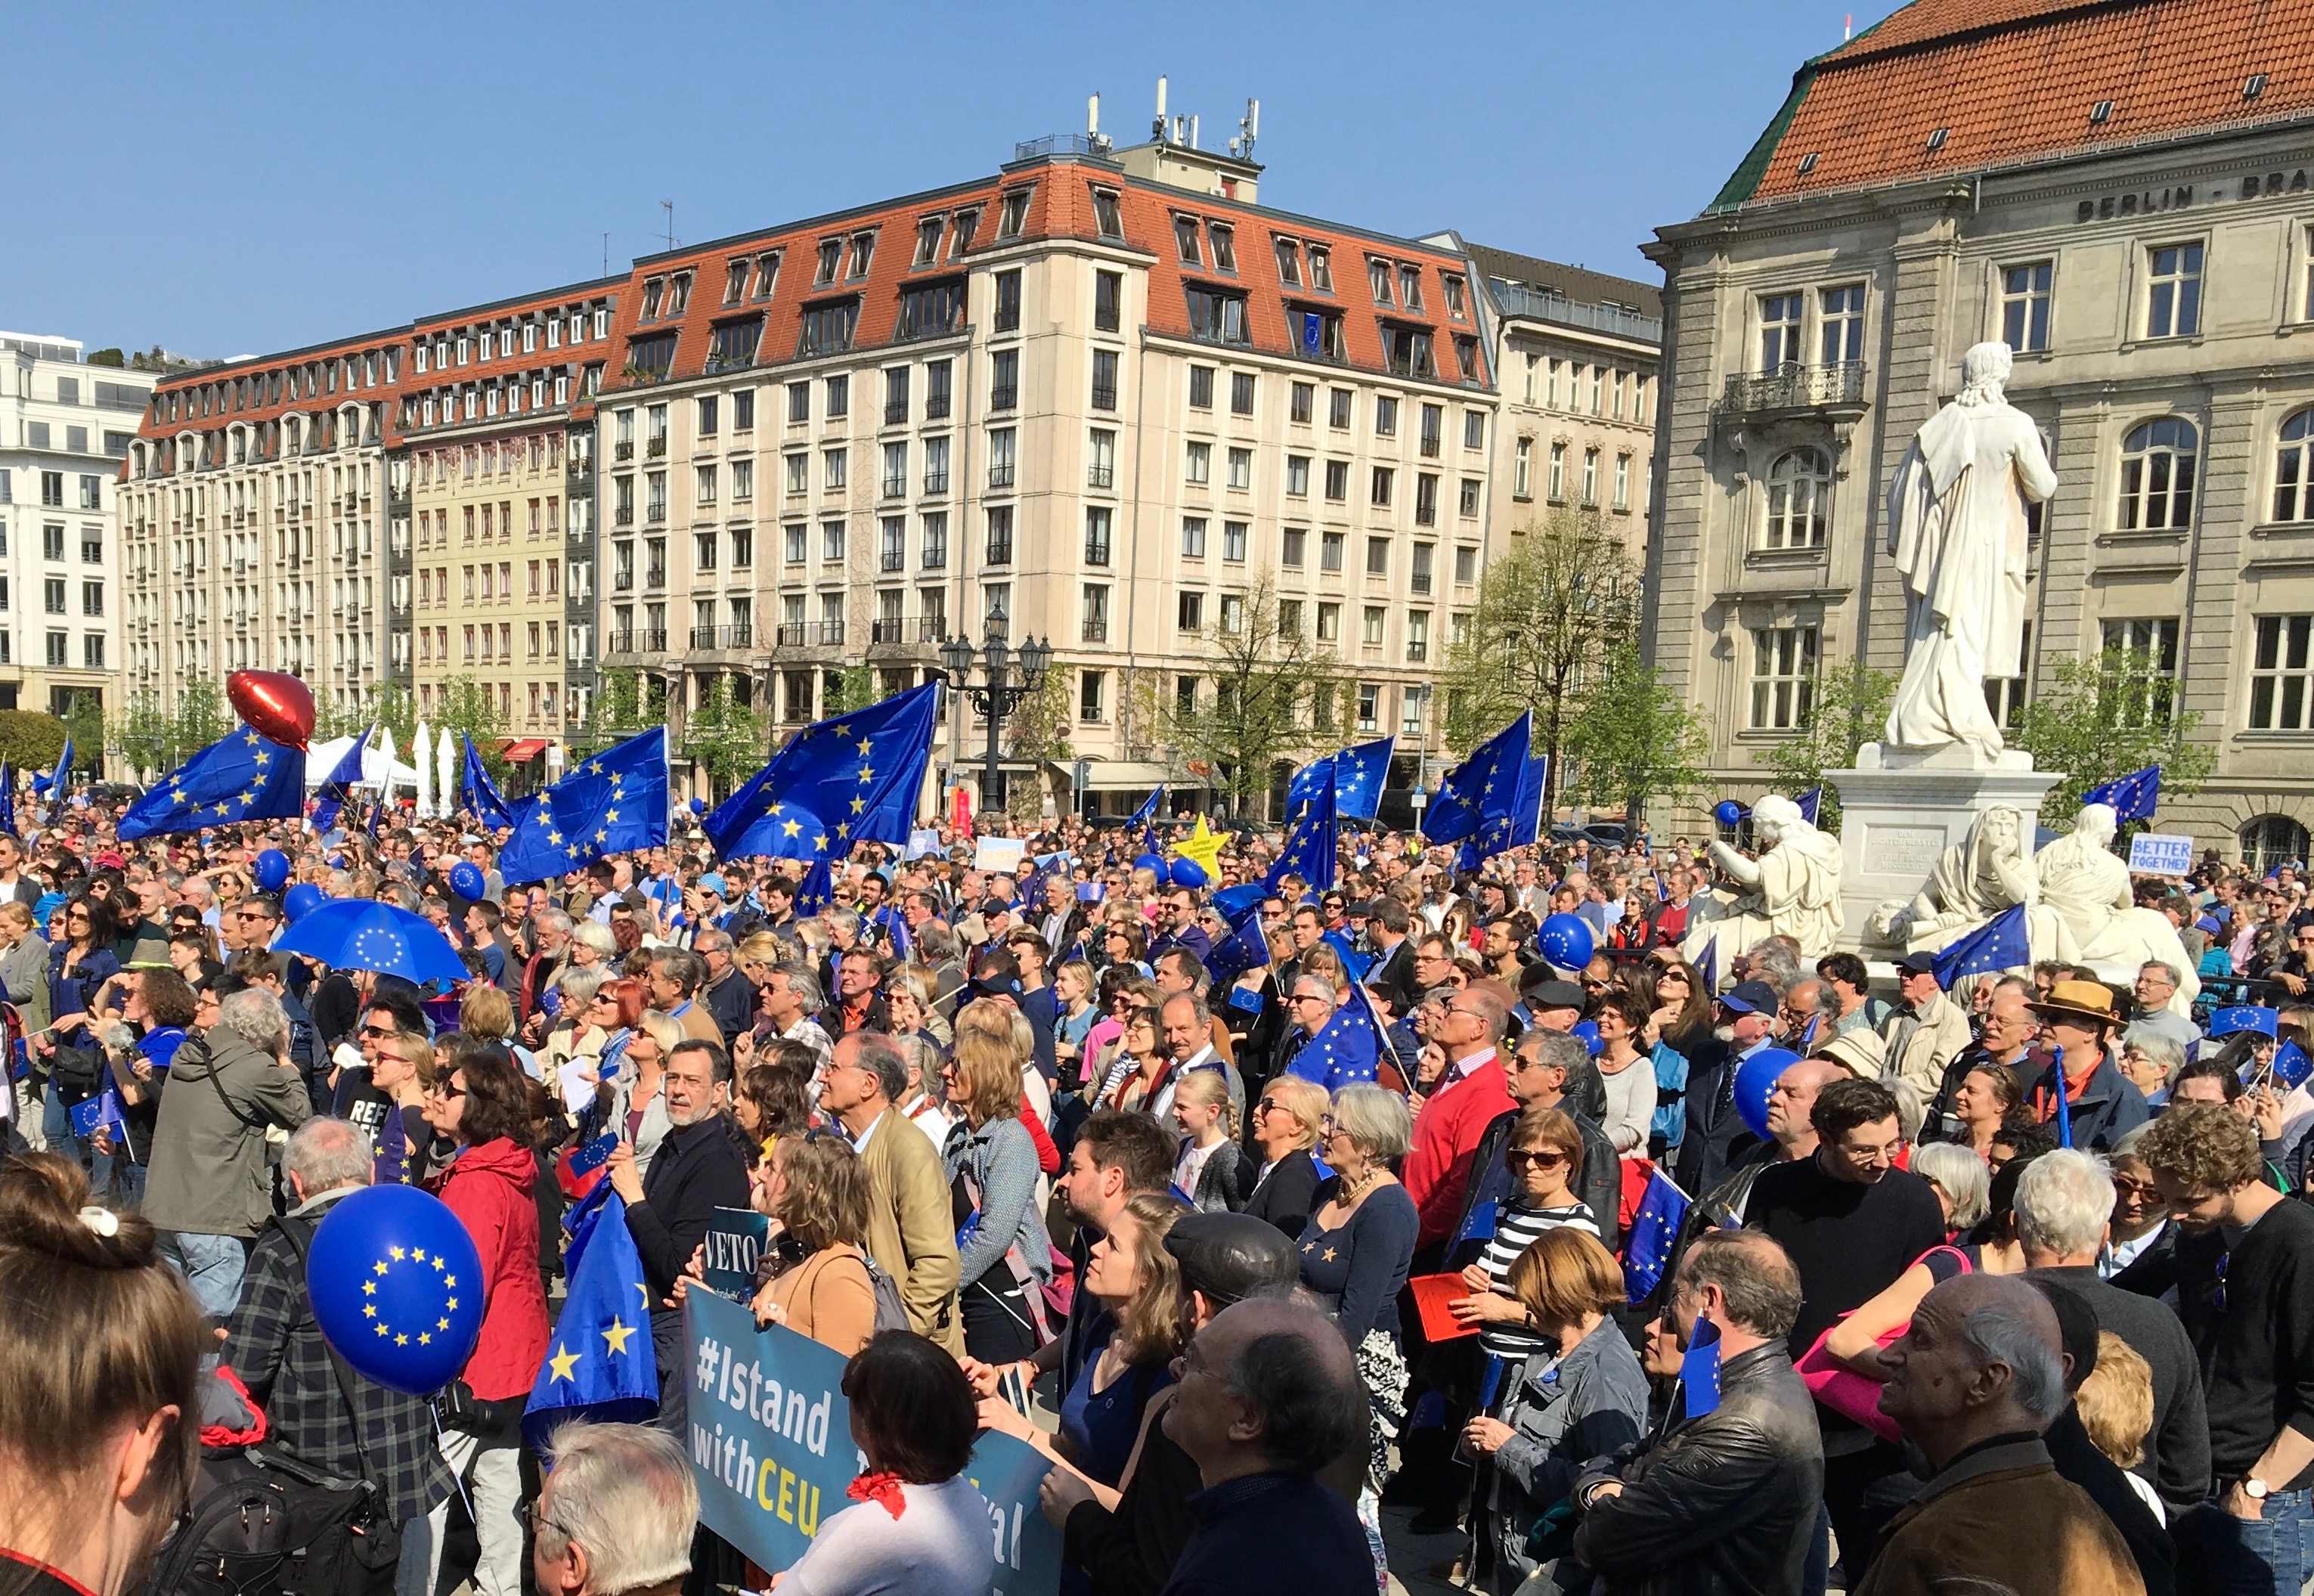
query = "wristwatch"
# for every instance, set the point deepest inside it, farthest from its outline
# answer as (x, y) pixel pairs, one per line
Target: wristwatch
(2254, 1489)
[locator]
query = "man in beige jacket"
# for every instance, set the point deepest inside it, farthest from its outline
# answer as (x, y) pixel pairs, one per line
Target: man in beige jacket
(911, 1235)
(1928, 1029)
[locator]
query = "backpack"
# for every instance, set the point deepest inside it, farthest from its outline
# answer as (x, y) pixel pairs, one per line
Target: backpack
(233, 1537)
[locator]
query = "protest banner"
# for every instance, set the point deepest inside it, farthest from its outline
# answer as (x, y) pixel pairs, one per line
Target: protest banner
(771, 1444)
(2161, 853)
(728, 1252)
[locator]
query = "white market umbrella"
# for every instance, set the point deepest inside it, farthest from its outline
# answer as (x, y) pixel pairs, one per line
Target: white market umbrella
(420, 749)
(448, 798)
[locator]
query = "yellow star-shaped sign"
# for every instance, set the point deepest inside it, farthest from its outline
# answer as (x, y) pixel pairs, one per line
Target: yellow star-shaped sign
(563, 1362)
(1204, 847)
(617, 1335)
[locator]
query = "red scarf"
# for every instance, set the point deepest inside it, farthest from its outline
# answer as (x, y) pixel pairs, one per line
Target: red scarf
(884, 1487)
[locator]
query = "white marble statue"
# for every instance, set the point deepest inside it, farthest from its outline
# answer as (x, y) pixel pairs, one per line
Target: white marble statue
(1988, 871)
(1792, 889)
(2086, 916)
(1956, 528)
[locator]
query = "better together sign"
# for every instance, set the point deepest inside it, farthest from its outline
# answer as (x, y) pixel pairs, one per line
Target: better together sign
(771, 1443)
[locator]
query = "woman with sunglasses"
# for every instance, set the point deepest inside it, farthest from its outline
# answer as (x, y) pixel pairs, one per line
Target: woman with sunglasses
(1285, 1130)
(1124, 945)
(1544, 1158)
(1682, 1009)
(79, 966)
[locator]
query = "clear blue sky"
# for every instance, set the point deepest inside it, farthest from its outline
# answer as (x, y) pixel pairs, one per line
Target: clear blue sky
(244, 178)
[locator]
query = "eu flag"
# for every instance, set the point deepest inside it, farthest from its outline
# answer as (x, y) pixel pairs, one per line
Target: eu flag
(8, 798)
(1245, 947)
(1480, 794)
(849, 779)
(1343, 1053)
(1310, 851)
(241, 776)
(817, 890)
(61, 777)
(1699, 1370)
(101, 1111)
(615, 802)
(1810, 804)
(1355, 774)
(1998, 944)
(336, 788)
(482, 794)
(599, 1364)
(1147, 812)
(2133, 797)
(1354, 961)
(1654, 1231)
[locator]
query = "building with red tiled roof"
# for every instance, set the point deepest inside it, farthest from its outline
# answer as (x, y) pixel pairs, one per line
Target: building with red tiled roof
(1099, 396)
(2119, 191)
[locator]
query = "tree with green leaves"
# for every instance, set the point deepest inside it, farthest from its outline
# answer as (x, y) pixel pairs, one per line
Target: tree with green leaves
(1847, 709)
(1634, 739)
(1266, 669)
(732, 740)
(1038, 732)
(627, 699)
(2092, 720)
(1550, 614)
(30, 740)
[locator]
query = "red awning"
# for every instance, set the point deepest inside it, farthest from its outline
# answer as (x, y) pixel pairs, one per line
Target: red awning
(522, 750)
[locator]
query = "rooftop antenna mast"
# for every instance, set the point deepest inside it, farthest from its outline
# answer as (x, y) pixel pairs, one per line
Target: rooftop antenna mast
(668, 206)
(1157, 129)
(1248, 129)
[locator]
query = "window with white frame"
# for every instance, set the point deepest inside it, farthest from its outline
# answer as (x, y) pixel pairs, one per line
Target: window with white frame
(1799, 498)
(1523, 470)
(1840, 325)
(2293, 469)
(2157, 476)
(2025, 304)
(1783, 676)
(2281, 673)
(2173, 290)
(2141, 667)
(1779, 331)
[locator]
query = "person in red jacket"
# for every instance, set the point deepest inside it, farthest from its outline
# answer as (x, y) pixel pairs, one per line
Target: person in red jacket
(1473, 1091)
(480, 1103)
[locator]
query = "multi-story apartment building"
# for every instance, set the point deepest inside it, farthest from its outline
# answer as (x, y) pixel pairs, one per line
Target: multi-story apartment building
(1578, 353)
(2120, 193)
(1100, 396)
(495, 429)
(253, 515)
(64, 427)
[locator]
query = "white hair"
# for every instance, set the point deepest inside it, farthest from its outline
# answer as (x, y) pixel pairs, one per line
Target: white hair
(2004, 1331)
(256, 1017)
(2063, 1200)
(626, 1493)
(1958, 1172)
(325, 1153)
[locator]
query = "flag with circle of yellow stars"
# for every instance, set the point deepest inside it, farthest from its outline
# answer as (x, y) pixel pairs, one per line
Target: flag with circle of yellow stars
(1478, 799)
(599, 1364)
(241, 776)
(855, 778)
(610, 802)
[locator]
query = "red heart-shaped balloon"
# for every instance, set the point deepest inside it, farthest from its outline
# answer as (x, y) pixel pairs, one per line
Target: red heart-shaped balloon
(274, 705)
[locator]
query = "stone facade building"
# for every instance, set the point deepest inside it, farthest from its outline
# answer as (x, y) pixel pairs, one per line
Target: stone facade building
(2121, 192)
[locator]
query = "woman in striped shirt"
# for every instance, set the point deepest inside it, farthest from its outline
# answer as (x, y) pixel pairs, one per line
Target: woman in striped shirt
(1545, 1160)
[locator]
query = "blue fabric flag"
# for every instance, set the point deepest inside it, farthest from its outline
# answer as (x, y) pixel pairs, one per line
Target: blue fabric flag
(615, 802)
(2291, 1066)
(1354, 961)
(1307, 784)
(2133, 797)
(2065, 1102)
(61, 777)
(599, 1364)
(101, 1110)
(1343, 1052)
(1311, 849)
(1707, 965)
(1147, 812)
(1998, 944)
(816, 891)
(1524, 828)
(336, 788)
(1810, 804)
(1699, 1370)
(8, 798)
(1234, 901)
(1654, 1231)
(1478, 798)
(241, 776)
(1356, 776)
(1245, 947)
(849, 779)
(482, 794)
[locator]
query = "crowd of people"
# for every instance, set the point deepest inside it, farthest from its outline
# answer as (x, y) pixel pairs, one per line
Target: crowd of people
(2006, 1293)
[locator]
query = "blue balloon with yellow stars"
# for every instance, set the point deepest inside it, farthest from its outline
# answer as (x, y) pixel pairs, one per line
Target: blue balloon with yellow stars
(466, 879)
(272, 871)
(397, 1287)
(1189, 873)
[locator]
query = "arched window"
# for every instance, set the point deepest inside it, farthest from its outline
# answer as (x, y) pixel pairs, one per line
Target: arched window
(2157, 476)
(2293, 470)
(1799, 498)
(2271, 841)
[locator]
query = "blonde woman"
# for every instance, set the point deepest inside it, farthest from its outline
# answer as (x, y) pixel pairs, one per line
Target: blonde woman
(1285, 1121)
(817, 1191)
(1212, 1168)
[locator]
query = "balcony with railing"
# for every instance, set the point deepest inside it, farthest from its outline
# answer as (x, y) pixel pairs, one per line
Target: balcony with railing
(1518, 300)
(791, 634)
(624, 450)
(1830, 389)
(1095, 631)
(720, 638)
(831, 634)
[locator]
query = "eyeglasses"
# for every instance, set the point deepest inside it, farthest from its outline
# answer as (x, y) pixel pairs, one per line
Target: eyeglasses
(534, 1520)
(375, 1033)
(445, 1089)
(1543, 1159)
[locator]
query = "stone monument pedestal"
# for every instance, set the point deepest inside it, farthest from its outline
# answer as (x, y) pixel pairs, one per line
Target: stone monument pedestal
(1900, 810)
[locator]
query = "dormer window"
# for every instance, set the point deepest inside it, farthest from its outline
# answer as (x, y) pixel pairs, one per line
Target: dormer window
(654, 292)
(679, 295)
(1015, 217)
(735, 279)
(1321, 269)
(1184, 241)
(863, 252)
(1378, 279)
(1456, 306)
(1108, 214)
(831, 258)
(767, 274)
(927, 240)
(960, 238)
(1409, 287)
(1289, 263)
(1225, 246)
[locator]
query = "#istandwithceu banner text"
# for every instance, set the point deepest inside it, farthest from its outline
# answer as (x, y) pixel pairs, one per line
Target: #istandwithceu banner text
(771, 1444)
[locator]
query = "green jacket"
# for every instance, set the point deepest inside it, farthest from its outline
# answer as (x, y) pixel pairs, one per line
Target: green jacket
(209, 1174)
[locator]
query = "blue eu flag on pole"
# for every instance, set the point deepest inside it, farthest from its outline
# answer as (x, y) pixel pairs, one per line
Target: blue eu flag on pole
(852, 778)
(1707, 966)
(599, 1364)
(1310, 851)
(1245, 947)
(1699, 1370)
(338, 786)
(8, 798)
(1356, 776)
(241, 776)
(1343, 1052)
(2133, 797)
(59, 778)
(614, 802)
(1810, 804)
(1482, 791)
(1307, 784)
(816, 891)
(99, 1111)
(1654, 1231)
(1998, 944)
(482, 794)
(1147, 812)
(1522, 828)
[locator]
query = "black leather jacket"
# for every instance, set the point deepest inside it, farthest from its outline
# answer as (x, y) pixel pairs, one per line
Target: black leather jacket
(1722, 1505)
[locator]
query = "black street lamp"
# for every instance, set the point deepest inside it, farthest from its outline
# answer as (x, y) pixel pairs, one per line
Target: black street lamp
(998, 695)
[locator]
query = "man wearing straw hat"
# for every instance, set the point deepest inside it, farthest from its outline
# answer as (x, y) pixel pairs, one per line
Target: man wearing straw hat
(2098, 1104)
